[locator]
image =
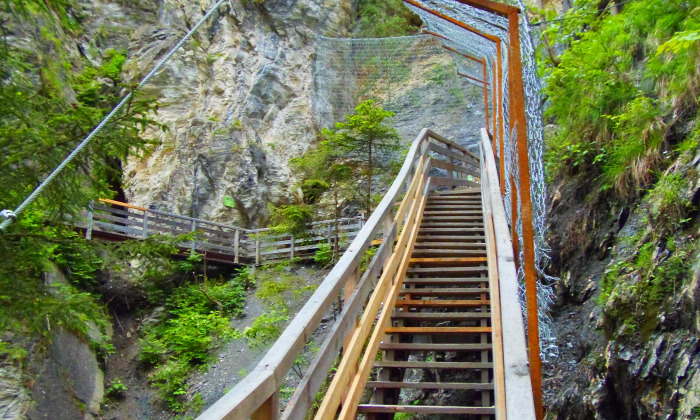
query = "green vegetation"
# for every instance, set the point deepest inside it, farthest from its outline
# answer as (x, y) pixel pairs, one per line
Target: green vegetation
(196, 321)
(621, 91)
(116, 389)
(48, 104)
(623, 100)
(385, 18)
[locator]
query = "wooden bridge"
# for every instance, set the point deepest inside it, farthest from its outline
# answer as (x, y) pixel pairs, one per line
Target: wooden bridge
(114, 220)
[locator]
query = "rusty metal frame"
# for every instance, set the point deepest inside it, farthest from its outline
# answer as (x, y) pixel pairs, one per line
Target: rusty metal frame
(481, 61)
(518, 123)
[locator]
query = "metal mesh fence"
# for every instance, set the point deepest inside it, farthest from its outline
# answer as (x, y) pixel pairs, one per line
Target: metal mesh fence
(481, 47)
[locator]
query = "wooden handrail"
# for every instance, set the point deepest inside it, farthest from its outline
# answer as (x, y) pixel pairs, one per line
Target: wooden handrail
(258, 389)
(518, 387)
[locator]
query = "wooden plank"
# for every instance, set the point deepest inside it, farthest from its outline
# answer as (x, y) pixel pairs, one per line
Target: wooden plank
(460, 191)
(443, 292)
(122, 221)
(436, 330)
(268, 410)
(474, 224)
(519, 396)
(410, 193)
(433, 365)
(423, 409)
(434, 303)
(108, 227)
(444, 280)
(433, 242)
(446, 270)
(118, 212)
(435, 163)
(446, 142)
(448, 252)
(449, 260)
(453, 154)
(452, 207)
(435, 346)
(440, 237)
(447, 182)
(119, 203)
(428, 385)
(497, 333)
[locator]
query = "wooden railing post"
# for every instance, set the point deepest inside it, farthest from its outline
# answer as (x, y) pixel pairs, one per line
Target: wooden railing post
(194, 228)
(257, 251)
(88, 230)
(269, 410)
(291, 247)
(144, 227)
(237, 246)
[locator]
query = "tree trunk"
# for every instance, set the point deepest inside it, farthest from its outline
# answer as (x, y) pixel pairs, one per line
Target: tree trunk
(336, 250)
(369, 181)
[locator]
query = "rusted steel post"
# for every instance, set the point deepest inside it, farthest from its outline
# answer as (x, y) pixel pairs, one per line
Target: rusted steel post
(486, 96)
(466, 76)
(494, 101)
(502, 160)
(518, 121)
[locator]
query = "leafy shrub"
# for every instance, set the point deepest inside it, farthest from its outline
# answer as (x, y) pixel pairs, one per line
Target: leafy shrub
(266, 328)
(198, 319)
(377, 19)
(116, 389)
(324, 255)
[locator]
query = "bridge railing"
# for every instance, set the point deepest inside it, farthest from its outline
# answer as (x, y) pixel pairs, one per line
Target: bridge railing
(257, 395)
(219, 241)
(512, 382)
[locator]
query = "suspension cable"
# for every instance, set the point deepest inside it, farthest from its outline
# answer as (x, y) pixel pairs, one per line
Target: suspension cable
(11, 216)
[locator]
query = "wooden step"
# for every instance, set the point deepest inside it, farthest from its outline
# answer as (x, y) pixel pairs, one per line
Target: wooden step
(465, 221)
(443, 292)
(449, 230)
(435, 303)
(454, 218)
(444, 280)
(452, 238)
(454, 261)
(453, 213)
(428, 385)
(423, 409)
(429, 242)
(436, 253)
(446, 224)
(441, 316)
(451, 207)
(432, 365)
(435, 346)
(437, 330)
(446, 270)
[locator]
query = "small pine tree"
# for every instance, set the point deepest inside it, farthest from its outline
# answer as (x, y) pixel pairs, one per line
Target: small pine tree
(362, 140)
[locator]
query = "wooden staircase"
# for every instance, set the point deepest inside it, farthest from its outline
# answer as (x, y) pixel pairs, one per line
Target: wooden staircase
(439, 340)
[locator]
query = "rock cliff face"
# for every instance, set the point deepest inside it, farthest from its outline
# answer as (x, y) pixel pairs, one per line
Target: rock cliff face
(237, 103)
(244, 97)
(628, 339)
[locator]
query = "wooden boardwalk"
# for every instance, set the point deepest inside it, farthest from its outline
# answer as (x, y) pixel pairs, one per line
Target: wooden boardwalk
(436, 312)
(114, 220)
